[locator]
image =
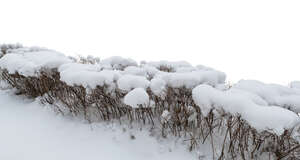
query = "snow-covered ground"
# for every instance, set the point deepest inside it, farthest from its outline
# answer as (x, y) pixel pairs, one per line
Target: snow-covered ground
(30, 131)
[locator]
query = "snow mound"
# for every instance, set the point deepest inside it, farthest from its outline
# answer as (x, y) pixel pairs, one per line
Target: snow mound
(185, 69)
(272, 118)
(129, 82)
(157, 86)
(133, 70)
(87, 75)
(29, 63)
(150, 70)
(137, 97)
(273, 94)
(77, 67)
(192, 79)
(117, 62)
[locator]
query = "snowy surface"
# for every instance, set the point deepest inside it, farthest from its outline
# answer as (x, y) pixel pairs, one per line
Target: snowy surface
(87, 75)
(192, 79)
(117, 62)
(32, 132)
(29, 63)
(273, 94)
(150, 70)
(158, 86)
(295, 84)
(129, 82)
(133, 70)
(261, 117)
(137, 97)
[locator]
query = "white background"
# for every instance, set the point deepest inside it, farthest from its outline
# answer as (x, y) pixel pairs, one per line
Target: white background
(253, 39)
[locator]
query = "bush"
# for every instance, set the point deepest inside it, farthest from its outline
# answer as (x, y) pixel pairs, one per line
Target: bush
(174, 113)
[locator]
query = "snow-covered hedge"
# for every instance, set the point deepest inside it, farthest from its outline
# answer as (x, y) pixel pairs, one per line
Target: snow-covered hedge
(176, 97)
(261, 117)
(30, 63)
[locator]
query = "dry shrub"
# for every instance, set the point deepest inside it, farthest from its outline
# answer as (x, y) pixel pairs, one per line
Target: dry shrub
(166, 68)
(229, 136)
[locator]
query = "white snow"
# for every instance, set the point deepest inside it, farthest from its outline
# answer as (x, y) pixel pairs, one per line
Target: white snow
(134, 70)
(273, 94)
(92, 59)
(87, 75)
(261, 117)
(30, 131)
(255, 98)
(192, 79)
(129, 82)
(222, 86)
(78, 67)
(29, 63)
(295, 84)
(21, 50)
(158, 86)
(137, 97)
(202, 67)
(150, 70)
(185, 69)
(117, 62)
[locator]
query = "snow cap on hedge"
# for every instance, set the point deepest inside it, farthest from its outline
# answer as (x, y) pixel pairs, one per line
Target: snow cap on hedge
(129, 82)
(117, 62)
(137, 97)
(192, 79)
(87, 75)
(134, 70)
(273, 94)
(157, 86)
(30, 63)
(273, 118)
